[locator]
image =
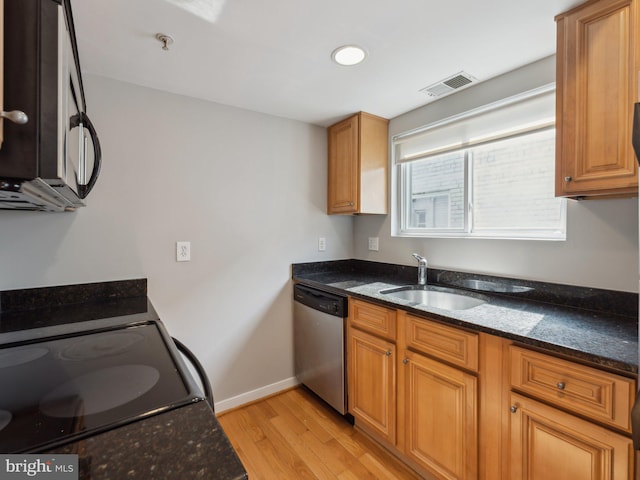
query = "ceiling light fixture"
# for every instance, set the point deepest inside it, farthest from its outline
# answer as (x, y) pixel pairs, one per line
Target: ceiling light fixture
(349, 55)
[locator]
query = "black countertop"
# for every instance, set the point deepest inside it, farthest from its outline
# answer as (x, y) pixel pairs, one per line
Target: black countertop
(593, 325)
(186, 442)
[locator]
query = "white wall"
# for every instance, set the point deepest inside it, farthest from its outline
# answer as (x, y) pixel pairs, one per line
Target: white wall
(601, 249)
(248, 190)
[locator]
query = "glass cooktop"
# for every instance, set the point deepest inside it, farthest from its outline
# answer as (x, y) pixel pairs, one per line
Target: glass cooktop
(61, 389)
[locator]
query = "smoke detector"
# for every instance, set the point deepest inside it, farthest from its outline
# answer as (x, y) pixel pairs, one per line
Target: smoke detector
(449, 85)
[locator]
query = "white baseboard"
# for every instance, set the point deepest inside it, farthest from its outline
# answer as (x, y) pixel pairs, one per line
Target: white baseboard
(254, 395)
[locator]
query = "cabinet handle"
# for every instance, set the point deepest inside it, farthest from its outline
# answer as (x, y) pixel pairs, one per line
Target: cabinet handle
(513, 408)
(388, 353)
(560, 385)
(405, 361)
(16, 116)
(351, 204)
(568, 178)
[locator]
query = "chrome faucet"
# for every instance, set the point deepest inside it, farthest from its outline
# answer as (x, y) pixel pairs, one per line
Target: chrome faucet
(422, 269)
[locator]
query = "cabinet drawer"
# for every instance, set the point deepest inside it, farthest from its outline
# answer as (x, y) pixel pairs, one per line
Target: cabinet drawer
(373, 318)
(601, 396)
(446, 343)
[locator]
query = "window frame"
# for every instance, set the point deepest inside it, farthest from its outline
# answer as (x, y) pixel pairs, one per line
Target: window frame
(401, 195)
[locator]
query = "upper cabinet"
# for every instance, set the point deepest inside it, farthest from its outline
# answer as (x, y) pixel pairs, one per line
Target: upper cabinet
(598, 61)
(358, 165)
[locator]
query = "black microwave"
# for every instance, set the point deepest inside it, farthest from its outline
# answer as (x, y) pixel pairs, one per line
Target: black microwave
(50, 153)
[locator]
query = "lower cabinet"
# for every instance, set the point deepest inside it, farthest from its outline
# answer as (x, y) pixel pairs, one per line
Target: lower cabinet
(547, 443)
(422, 408)
(439, 417)
(372, 384)
(458, 405)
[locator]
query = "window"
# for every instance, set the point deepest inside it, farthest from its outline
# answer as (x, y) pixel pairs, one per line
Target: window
(489, 173)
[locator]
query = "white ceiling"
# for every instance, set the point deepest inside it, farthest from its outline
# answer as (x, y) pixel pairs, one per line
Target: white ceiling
(274, 56)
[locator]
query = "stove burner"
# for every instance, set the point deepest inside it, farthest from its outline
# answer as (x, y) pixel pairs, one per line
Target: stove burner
(99, 391)
(19, 357)
(103, 345)
(5, 418)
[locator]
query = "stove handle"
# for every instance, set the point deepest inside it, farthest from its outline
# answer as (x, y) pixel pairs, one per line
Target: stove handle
(199, 369)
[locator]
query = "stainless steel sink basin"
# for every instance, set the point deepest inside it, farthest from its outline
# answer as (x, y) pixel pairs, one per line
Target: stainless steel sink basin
(434, 297)
(494, 286)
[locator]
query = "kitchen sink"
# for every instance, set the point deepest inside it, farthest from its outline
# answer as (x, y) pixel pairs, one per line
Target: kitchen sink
(497, 287)
(437, 297)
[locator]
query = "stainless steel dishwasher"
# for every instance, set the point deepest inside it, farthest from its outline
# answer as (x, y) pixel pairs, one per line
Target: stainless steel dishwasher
(319, 343)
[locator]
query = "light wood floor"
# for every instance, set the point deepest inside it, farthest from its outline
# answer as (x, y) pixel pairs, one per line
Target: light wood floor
(295, 436)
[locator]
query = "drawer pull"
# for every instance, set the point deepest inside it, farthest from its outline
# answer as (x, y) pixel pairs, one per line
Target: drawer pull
(560, 385)
(513, 408)
(405, 361)
(388, 353)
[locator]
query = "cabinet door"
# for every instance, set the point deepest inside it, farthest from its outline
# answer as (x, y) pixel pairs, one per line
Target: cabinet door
(343, 178)
(440, 417)
(597, 63)
(372, 384)
(548, 444)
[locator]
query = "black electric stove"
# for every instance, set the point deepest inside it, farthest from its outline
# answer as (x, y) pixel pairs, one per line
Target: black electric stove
(63, 388)
(63, 381)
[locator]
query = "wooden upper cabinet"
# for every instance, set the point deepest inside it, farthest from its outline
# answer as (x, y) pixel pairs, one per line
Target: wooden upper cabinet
(358, 158)
(598, 60)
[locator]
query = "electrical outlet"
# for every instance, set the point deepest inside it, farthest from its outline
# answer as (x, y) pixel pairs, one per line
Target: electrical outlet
(373, 244)
(183, 251)
(322, 244)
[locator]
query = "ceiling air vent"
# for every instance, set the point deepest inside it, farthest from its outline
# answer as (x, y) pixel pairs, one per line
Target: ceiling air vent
(448, 85)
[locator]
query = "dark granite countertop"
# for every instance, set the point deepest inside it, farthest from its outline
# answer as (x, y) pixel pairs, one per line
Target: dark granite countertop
(185, 443)
(592, 325)
(47, 311)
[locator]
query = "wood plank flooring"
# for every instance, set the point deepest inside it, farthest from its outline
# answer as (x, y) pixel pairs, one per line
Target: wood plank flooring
(294, 435)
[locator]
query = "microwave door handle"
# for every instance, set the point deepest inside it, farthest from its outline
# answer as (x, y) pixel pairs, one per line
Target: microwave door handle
(84, 190)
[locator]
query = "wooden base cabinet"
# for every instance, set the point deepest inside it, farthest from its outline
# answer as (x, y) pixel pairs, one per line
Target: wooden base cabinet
(372, 384)
(439, 417)
(458, 405)
(548, 444)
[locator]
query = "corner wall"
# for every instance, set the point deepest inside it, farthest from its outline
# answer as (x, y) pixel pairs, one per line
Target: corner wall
(248, 190)
(601, 249)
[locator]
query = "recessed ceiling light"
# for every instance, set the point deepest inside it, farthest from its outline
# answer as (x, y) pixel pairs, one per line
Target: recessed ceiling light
(348, 55)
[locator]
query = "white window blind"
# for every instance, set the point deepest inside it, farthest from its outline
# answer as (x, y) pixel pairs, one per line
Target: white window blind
(518, 114)
(486, 173)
